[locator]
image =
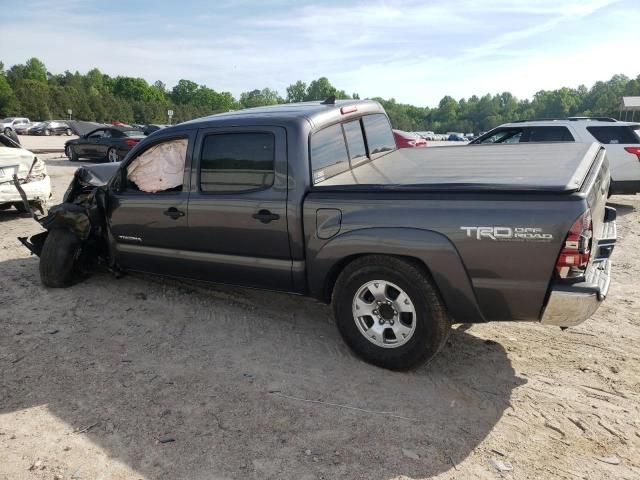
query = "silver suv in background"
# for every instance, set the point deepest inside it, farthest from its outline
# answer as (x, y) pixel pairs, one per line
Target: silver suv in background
(10, 124)
(621, 140)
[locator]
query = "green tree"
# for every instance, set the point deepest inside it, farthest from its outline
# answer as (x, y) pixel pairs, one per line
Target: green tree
(184, 92)
(320, 89)
(297, 92)
(9, 104)
(34, 69)
(260, 98)
(34, 99)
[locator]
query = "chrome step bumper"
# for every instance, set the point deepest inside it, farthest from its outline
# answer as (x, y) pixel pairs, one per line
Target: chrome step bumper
(570, 305)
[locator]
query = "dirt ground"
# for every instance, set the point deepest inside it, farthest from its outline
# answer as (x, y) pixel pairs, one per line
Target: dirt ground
(143, 378)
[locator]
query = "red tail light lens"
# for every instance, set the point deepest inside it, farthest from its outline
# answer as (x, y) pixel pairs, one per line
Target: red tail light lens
(131, 142)
(633, 150)
(574, 256)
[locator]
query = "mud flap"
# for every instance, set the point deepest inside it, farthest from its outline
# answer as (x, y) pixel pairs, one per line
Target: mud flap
(35, 243)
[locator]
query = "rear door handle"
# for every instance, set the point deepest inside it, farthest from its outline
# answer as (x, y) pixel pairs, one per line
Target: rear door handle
(265, 216)
(174, 213)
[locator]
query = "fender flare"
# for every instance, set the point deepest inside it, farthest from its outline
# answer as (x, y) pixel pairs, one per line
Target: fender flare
(434, 250)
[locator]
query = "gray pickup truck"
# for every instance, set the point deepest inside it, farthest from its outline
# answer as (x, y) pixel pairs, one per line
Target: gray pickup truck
(315, 199)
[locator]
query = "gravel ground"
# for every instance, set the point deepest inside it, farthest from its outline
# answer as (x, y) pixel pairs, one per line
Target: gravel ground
(144, 378)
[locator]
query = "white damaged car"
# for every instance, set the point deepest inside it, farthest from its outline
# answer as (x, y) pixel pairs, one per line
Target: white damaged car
(32, 175)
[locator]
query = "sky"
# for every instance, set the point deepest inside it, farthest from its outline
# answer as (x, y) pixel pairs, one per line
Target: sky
(413, 51)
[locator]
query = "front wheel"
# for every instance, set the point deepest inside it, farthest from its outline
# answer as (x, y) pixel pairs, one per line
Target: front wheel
(389, 312)
(112, 155)
(71, 154)
(47, 132)
(7, 131)
(68, 132)
(59, 259)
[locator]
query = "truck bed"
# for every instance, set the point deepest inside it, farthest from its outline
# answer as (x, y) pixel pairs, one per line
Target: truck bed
(549, 167)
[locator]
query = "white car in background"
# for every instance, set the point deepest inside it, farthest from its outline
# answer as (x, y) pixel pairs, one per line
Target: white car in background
(621, 140)
(31, 172)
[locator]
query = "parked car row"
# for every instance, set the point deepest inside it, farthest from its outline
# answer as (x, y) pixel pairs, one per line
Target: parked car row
(23, 126)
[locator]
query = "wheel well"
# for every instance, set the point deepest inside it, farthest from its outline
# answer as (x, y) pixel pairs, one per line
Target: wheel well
(335, 271)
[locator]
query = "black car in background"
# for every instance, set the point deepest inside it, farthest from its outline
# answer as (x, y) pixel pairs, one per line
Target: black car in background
(105, 143)
(153, 127)
(51, 127)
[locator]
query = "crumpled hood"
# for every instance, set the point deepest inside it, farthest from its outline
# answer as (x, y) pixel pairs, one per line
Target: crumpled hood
(15, 161)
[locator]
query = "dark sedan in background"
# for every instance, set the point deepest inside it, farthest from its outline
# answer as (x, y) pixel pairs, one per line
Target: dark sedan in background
(105, 143)
(51, 127)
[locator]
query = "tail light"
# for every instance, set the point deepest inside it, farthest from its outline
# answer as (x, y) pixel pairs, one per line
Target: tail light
(634, 151)
(574, 256)
(131, 142)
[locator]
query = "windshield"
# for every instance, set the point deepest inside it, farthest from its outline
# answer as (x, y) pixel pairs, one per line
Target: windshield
(511, 135)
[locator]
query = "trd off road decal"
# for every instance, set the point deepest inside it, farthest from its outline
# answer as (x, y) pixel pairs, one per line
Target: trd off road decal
(510, 234)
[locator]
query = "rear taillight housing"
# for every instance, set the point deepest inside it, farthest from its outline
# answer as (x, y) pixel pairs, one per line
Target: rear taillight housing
(575, 254)
(130, 142)
(633, 150)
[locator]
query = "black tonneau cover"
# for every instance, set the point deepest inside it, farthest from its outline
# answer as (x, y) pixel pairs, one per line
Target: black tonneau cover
(549, 167)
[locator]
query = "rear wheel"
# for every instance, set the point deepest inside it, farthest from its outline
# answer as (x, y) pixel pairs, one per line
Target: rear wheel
(47, 132)
(59, 259)
(389, 312)
(7, 131)
(68, 132)
(112, 155)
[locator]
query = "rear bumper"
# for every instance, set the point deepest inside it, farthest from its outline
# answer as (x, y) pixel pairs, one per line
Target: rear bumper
(36, 191)
(570, 305)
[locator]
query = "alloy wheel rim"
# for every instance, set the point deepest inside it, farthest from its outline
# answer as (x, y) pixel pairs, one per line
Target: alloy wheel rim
(384, 314)
(113, 156)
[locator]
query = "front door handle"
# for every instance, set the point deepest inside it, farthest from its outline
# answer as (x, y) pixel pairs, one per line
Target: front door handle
(265, 216)
(174, 213)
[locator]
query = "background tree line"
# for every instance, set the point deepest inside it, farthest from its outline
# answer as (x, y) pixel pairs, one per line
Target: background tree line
(30, 90)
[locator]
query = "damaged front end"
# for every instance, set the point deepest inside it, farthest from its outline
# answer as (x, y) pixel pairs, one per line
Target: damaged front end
(82, 213)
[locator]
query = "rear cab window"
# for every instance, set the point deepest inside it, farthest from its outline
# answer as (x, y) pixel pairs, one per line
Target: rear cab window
(343, 146)
(618, 134)
(379, 134)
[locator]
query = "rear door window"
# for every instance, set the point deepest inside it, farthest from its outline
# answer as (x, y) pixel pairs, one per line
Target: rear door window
(237, 162)
(550, 134)
(379, 135)
(619, 134)
(329, 155)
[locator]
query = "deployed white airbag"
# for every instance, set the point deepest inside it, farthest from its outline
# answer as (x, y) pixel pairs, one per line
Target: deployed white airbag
(159, 168)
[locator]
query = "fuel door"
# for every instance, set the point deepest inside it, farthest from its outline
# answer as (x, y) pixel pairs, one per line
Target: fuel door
(328, 222)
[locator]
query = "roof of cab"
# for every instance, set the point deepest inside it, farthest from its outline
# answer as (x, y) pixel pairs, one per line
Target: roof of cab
(317, 113)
